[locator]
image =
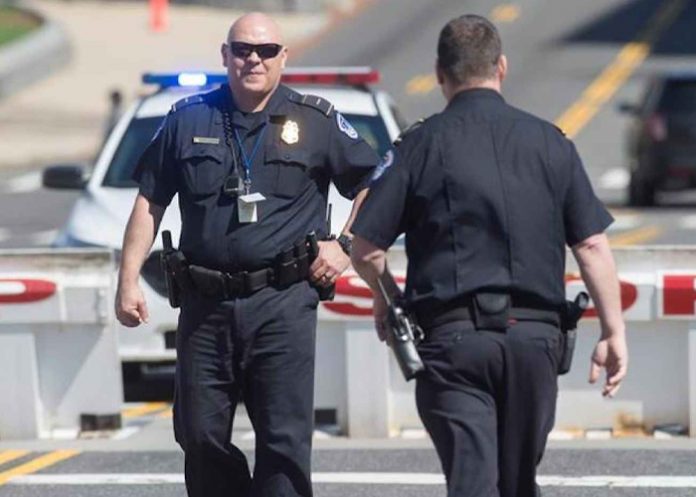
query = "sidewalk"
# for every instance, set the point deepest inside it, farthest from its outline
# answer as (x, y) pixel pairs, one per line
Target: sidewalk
(61, 118)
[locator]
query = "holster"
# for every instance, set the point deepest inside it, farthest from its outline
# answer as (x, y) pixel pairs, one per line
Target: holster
(570, 316)
(175, 269)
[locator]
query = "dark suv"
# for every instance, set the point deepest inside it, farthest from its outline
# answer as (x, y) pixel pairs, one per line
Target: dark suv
(662, 138)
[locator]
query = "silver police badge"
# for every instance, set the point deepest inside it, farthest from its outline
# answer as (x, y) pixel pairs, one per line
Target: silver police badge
(290, 133)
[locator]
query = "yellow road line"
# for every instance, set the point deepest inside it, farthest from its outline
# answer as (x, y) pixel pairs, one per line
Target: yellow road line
(10, 455)
(37, 464)
(603, 88)
(422, 83)
(145, 409)
(636, 236)
(168, 414)
(506, 12)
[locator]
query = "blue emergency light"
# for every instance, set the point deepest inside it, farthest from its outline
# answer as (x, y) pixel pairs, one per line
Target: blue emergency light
(184, 79)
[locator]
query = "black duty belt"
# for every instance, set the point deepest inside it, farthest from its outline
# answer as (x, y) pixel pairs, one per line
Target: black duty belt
(461, 309)
(289, 267)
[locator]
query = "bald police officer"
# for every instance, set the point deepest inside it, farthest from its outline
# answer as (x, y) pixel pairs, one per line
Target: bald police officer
(251, 163)
(488, 197)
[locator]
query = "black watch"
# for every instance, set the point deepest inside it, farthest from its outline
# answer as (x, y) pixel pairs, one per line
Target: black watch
(346, 244)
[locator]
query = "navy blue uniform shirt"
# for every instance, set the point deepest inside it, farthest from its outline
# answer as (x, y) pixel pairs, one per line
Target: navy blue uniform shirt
(305, 145)
(488, 196)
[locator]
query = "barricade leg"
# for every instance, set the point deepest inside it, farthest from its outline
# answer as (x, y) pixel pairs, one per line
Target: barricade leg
(20, 402)
(692, 379)
(367, 372)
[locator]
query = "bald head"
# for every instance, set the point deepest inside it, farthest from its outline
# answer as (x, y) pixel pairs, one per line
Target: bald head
(255, 27)
(254, 56)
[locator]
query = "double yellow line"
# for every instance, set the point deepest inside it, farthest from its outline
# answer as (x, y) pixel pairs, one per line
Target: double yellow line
(604, 86)
(145, 409)
(423, 83)
(33, 465)
(636, 236)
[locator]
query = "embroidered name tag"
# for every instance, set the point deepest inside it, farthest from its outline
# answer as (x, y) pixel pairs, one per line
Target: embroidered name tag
(206, 140)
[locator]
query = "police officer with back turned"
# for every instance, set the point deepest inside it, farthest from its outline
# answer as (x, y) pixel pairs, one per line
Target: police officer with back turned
(488, 197)
(251, 163)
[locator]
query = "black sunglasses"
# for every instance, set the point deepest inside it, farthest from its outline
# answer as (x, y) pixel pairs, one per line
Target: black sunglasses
(264, 50)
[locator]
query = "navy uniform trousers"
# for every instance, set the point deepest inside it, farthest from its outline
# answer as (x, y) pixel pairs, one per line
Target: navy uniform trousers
(259, 349)
(488, 401)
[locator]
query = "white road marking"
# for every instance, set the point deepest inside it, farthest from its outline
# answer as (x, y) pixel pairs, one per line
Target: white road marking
(610, 481)
(25, 183)
(126, 432)
(615, 179)
(625, 222)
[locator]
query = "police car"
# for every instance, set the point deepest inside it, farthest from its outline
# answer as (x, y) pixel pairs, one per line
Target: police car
(100, 214)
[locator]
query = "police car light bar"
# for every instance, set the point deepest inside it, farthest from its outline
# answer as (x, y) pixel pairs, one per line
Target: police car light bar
(184, 79)
(353, 76)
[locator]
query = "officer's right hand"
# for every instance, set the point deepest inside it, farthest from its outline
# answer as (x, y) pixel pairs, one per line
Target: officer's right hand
(131, 309)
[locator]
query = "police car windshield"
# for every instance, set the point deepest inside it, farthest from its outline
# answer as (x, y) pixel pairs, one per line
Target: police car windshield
(140, 132)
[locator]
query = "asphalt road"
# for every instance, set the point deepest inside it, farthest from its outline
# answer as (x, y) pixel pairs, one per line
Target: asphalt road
(365, 470)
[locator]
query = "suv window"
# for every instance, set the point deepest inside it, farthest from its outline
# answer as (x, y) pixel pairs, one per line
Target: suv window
(679, 97)
(141, 131)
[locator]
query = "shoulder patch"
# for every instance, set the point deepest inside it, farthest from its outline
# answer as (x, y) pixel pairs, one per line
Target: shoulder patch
(383, 165)
(345, 127)
(316, 103)
(185, 102)
(408, 130)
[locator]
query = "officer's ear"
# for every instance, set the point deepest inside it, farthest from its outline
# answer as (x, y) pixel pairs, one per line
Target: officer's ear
(502, 67)
(439, 73)
(223, 53)
(283, 57)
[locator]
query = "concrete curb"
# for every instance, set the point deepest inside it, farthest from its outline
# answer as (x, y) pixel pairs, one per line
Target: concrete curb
(34, 56)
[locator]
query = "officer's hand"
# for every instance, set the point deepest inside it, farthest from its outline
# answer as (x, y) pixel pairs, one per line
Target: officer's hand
(131, 309)
(611, 354)
(379, 310)
(329, 264)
